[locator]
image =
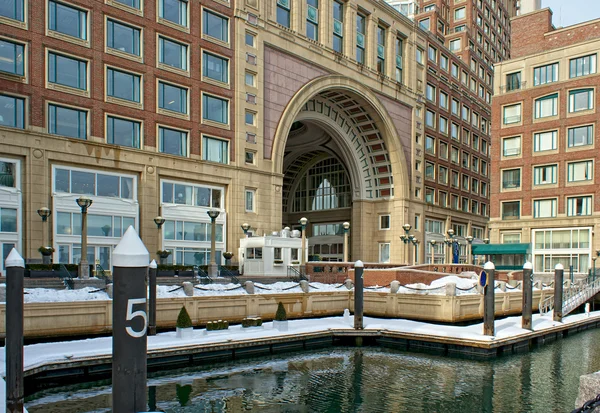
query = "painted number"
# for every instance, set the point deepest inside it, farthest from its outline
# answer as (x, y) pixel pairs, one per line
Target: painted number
(133, 314)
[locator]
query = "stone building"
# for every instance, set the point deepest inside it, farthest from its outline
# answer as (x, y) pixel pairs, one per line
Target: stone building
(545, 113)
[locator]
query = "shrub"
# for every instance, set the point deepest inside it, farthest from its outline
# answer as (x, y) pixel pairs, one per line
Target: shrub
(183, 319)
(280, 315)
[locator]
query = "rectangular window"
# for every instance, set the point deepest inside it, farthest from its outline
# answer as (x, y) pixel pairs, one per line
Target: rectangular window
(443, 125)
(67, 71)
(215, 150)
(582, 66)
(430, 145)
(13, 9)
(381, 49)
(455, 45)
(67, 122)
(432, 54)
(66, 19)
(546, 106)
(172, 98)
(430, 92)
(123, 85)
(312, 19)
(511, 146)
(419, 55)
(455, 106)
(361, 25)
(511, 238)
(338, 26)
(430, 119)
(429, 170)
(399, 54)
(511, 179)
(444, 62)
(545, 141)
(215, 109)
(425, 24)
(172, 141)
(172, 53)
(123, 132)
(250, 193)
(384, 252)
(250, 118)
(215, 67)
(12, 112)
(131, 3)
(580, 171)
(459, 13)
(217, 26)
(250, 39)
(443, 175)
(511, 210)
(443, 100)
(454, 70)
(250, 79)
(581, 136)
(384, 222)
(544, 175)
(283, 13)
(8, 220)
(579, 206)
(249, 157)
(581, 99)
(545, 74)
(544, 208)
(175, 11)
(123, 38)
(454, 131)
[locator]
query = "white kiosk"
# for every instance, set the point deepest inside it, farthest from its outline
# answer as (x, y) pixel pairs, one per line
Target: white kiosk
(270, 255)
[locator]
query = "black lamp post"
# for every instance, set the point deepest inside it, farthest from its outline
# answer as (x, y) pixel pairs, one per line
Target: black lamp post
(84, 268)
(213, 269)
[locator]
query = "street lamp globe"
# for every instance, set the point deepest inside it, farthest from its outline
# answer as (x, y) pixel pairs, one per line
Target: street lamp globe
(159, 221)
(406, 227)
(303, 221)
(84, 202)
(213, 214)
(346, 225)
(451, 232)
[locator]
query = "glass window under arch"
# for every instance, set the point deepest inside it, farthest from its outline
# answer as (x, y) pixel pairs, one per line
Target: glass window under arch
(326, 185)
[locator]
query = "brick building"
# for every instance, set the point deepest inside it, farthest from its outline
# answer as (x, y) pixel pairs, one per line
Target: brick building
(545, 113)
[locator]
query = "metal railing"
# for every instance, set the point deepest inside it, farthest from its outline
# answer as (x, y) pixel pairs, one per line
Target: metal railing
(296, 274)
(573, 296)
(226, 272)
(100, 273)
(66, 277)
(203, 275)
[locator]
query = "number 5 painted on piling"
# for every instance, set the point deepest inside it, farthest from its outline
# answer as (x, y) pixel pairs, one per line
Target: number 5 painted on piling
(133, 314)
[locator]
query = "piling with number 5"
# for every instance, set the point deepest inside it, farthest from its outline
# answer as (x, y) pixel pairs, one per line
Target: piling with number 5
(130, 323)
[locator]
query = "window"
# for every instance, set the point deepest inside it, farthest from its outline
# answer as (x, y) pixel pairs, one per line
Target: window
(283, 12)
(425, 24)
(454, 154)
(172, 53)
(172, 141)
(511, 238)
(459, 13)
(131, 3)
(443, 175)
(172, 98)
(250, 118)
(465, 113)
(443, 125)
(430, 119)
(511, 178)
(581, 136)
(511, 210)
(250, 39)
(8, 220)
(250, 79)
(215, 109)
(545, 141)
(430, 92)
(217, 26)
(582, 66)
(580, 171)
(249, 157)
(429, 170)
(338, 26)
(443, 198)
(312, 19)
(175, 11)
(215, 150)
(581, 99)
(123, 132)
(454, 131)
(381, 49)
(123, 38)
(182, 194)
(13, 9)
(544, 175)
(455, 45)
(545, 74)
(443, 100)
(578, 206)
(250, 194)
(12, 112)
(90, 183)
(384, 222)
(432, 54)
(384, 252)
(443, 150)
(399, 54)
(419, 56)
(546, 106)
(361, 24)
(67, 122)
(67, 71)
(455, 106)
(511, 146)
(254, 253)
(123, 85)
(454, 70)
(444, 62)
(430, 145)
(215, 67)
(544, 208)
(67, 20)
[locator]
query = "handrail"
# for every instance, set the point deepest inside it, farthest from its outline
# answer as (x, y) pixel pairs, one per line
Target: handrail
(573, 297)
(100, 273)
(226, 272)
(296, 274)
(203, 275)
(66, 277)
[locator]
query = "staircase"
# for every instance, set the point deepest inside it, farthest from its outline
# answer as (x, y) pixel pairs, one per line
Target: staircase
(573, 297)
(296, 274)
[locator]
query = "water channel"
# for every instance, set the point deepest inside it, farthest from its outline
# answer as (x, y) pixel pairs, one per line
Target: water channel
(367, 379)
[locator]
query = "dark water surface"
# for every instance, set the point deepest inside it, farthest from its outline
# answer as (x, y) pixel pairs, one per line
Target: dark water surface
(368, 379)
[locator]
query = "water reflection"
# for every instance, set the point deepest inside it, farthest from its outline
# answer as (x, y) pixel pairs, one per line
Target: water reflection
(359, 380)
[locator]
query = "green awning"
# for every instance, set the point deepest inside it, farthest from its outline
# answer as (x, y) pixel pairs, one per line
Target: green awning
(500, 249)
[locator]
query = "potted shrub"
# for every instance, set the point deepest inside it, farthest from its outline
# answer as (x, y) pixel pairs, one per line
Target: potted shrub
(46, 254)
(184, 325)
(185, 271)
(228, 256)
(163, 255)
(280, 322)
(165, 270)
(40, 270)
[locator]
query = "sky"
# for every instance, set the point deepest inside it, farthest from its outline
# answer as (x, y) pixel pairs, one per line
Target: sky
(569, 12)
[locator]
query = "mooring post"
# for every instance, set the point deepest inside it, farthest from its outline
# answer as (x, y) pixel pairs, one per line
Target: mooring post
(488, 300)
(527, 295)
(358, 294)
(559, 273)
(15, 271)
(152, 300)
(129, 344)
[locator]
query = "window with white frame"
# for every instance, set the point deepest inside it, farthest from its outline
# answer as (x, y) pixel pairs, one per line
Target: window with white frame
(172, 141)
(582, 66)
(384, 252)
(546, 106)
(545, 74)
(581, 99)
(172, 53)
(65, 19)
(67, 71)
(544, 208)
(215, 67)
(545, 141)
(216, 26)
(511, 238)
(511, 114)
(459, 13)
(10, 207)
(250, 198)
(283, 12)
(215, 150)
(579, 206)
(215, 109)
(435, 226)
(580, 171)
(67, 121)
(14, 10)
(384, 221)
(12, 111)
(581, 136)
(566, 246)
(511, 146)
(123, 38)
(312, 19)
(544, 174)
(338, 26)
(123, 132)
(175, 11)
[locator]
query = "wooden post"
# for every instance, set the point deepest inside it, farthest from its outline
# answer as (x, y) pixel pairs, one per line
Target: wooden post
(358, 295)
(152, 299)
(527, 296)
(559, 273)
(488, 300)
(15, 271)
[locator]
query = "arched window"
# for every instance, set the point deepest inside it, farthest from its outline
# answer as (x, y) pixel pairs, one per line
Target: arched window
(325, 185)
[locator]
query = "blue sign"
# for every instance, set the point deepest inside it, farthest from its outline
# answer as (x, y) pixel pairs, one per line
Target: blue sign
(483, 279)
(455, 252)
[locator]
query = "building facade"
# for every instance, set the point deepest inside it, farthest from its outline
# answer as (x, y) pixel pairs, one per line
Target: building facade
(545, 113)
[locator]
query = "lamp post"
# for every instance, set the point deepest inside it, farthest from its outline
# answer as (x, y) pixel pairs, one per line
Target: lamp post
(159, 221)
(213, 269)
(45, 213)
(405, 239)
(469, 239)
(432, 243)
(84, 268)
(245, 228)
(303, 221)
(346, 226)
